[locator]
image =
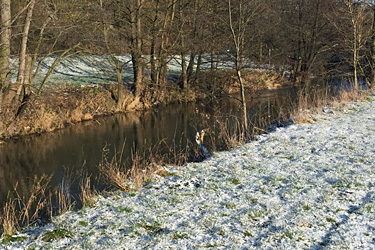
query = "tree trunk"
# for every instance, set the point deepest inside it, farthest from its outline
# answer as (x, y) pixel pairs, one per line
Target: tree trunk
(120, 87)
(242, 86)
(168, 20)
(28, 73)
(161, 73)
(154, 32)
(190, 67)
(183, 76)
(136, 46)
(193, 51)
(4, 47)
(355, 59)
(243, 99)
(239, 43)
(184, 83)
(23, 78)
(152, 59)
(139, 47)
(212, 61)
(198, 69)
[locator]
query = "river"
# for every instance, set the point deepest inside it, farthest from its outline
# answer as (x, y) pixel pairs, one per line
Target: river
(79, 149)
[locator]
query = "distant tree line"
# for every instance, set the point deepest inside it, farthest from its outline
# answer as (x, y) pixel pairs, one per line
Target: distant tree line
(307, 38)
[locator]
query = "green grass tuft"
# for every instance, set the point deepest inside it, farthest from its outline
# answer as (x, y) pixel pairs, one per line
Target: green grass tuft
(230, 205)
(125, 209)
(83, 223)
(247, 234)
(235, 181)
(9, 238)
(331, 220)
(179, 235)
(58, 233)
(306, 207)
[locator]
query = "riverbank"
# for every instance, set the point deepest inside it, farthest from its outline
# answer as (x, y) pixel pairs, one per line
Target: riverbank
(307, 186)
(63, 106)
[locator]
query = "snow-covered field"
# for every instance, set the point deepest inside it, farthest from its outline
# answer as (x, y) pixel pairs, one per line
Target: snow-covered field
(94, 69)
(307, 186)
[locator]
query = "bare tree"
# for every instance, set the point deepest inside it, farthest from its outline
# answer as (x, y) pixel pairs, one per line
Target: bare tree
(358, 18)
(117, 66)
(107, 21)
(4, 47)
(350, 20)
(24, 68)
(135, 16)
(368, 67)
(183, 77)
(240, 13)
(168, 20)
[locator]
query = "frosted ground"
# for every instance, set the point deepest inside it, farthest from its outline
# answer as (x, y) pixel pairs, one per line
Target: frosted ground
(307, 186)
(94, 69)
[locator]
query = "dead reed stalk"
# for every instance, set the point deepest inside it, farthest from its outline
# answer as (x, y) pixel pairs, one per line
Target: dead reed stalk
(112, 173)
(64, 199)
(37, 201)
(9, 218)
(87, 194)
(143, 168)
(21, 211)
(126, 179)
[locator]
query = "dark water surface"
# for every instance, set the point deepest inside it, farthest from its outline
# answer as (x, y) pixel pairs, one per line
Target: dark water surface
(79, 148)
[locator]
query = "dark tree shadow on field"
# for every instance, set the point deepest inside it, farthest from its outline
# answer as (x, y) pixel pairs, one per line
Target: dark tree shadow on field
(327, 238)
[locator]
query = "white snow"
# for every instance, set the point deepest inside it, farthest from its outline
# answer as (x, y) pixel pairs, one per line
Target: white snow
(95, 69)
(307, 186)
(81, 70)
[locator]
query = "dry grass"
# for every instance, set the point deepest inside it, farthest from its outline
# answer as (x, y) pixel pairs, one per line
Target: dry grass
(131, 174)
(231, 132)
(228, 130)
(64, 199)
(113, 174)
(126, 179)
(20, 211)
(226, 82)
(55, 109)
(87, 193)
(37, 201)
(9, 218)
(312, 101)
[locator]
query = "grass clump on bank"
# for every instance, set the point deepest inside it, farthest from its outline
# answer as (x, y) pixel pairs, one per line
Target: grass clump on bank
(131, 174)
(23, 211)
(41, 204)
(58, 233)
(54, 109)
(317, 99)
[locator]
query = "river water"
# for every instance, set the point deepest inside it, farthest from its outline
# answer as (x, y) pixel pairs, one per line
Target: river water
(79, 149)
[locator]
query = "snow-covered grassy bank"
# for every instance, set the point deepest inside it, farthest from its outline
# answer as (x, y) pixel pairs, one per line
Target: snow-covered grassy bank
(95, 69)
(307, 186)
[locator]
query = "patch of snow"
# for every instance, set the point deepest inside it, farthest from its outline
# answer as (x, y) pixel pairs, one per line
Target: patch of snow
(95, 69)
